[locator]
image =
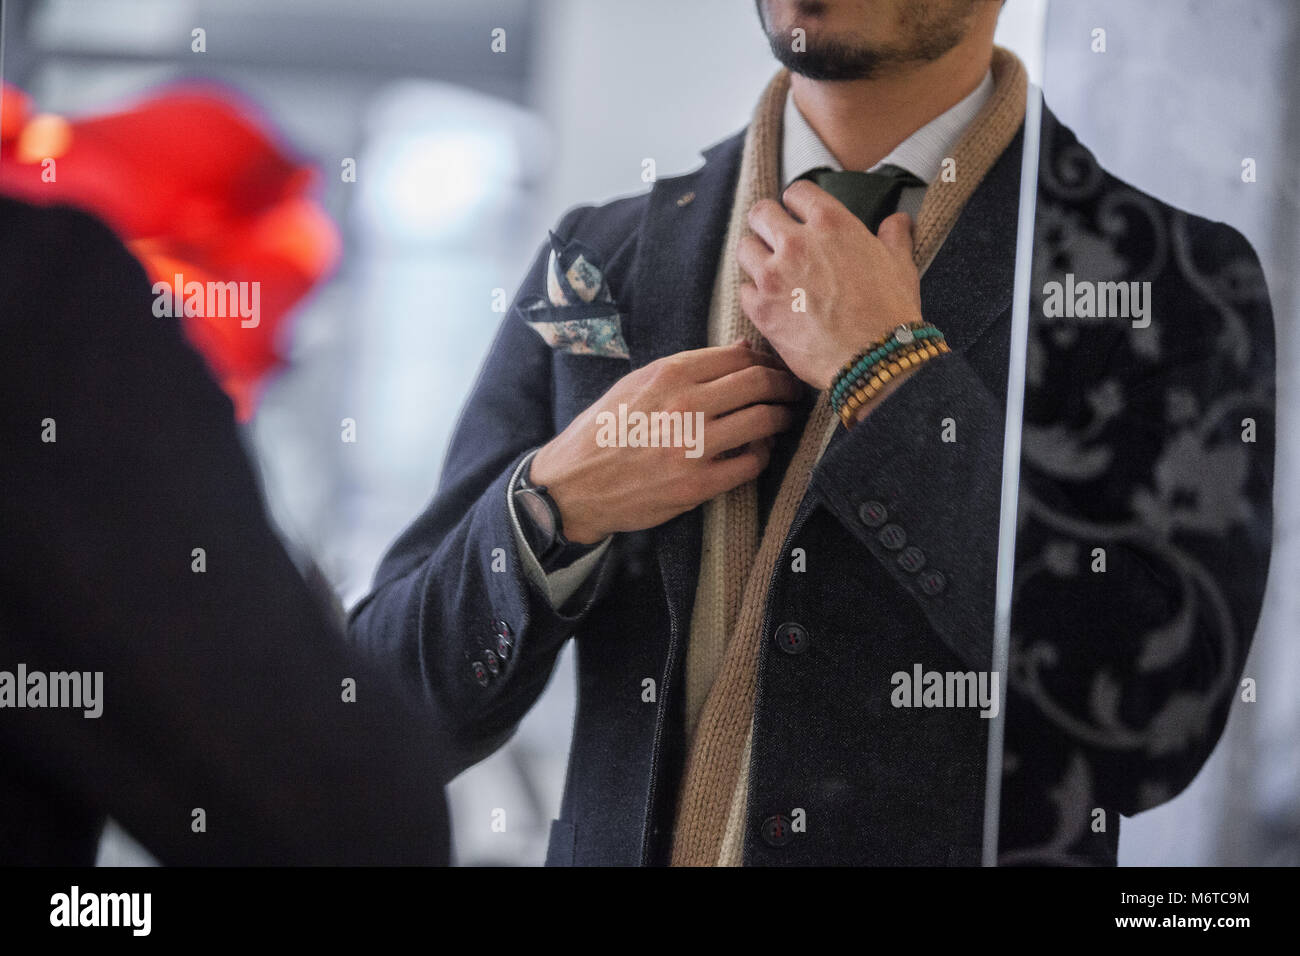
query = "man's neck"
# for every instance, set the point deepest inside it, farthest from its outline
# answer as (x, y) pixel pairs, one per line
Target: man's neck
(862, 121)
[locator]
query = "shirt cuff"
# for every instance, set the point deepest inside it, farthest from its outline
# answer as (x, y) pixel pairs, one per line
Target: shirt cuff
(562, 583)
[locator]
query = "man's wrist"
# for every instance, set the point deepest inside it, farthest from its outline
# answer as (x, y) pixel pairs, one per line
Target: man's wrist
(876, 336)
(575, 529)
(868, 378)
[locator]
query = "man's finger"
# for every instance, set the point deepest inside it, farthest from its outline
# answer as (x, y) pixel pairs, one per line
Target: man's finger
(749, 386)
(806, 200)
(752, 254)
(727, 473)
(748, 424)
(707, 364)
(896, 234)
(750, 301)
(770, 222)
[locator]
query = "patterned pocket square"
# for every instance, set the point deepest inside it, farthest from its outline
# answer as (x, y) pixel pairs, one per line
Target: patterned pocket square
(578, 313)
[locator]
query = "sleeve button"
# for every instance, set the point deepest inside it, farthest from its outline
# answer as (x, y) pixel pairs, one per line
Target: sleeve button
(933, 582)
(912, 559)
(893, 537)
(872, 514)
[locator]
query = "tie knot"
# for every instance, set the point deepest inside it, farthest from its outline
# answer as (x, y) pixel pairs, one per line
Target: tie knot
(869, 196)
(898, 172)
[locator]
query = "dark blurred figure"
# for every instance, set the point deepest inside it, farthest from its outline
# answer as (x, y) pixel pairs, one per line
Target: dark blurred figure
(223, 690)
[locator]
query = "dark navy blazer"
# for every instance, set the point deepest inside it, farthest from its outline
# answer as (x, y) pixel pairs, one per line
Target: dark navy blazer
(1122, 676)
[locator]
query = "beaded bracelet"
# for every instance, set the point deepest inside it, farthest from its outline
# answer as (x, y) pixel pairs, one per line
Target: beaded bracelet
(865, 367)
(876, 352)
(896, 367)
(849, 386)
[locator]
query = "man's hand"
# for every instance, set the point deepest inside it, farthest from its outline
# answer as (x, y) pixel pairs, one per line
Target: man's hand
(856, 287)
(603, 489)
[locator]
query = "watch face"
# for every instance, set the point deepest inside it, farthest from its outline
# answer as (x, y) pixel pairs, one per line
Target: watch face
(538, 512)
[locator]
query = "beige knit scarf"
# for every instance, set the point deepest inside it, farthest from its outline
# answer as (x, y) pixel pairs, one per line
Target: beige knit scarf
(736, 565)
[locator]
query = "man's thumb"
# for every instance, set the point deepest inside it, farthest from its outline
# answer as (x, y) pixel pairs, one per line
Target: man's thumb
(896, 233)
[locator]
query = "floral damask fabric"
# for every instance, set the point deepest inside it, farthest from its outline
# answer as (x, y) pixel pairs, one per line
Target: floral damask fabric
(1145, 505)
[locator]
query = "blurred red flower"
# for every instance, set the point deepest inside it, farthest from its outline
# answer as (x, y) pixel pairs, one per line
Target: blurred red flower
(195, 187)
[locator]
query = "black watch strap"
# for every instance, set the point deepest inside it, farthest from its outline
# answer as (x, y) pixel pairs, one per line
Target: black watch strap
(542, 524)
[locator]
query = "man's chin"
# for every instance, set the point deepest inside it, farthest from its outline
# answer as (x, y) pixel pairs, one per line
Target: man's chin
(828, 63)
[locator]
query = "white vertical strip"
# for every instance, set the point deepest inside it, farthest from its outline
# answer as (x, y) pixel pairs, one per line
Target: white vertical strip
(1011, 444)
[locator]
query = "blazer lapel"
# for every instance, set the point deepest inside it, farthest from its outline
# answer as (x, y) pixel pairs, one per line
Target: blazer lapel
(970, 283)
(678, 252)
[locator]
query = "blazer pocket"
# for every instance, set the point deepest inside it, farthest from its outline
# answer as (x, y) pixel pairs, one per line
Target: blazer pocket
(559, 850)
(578, 380)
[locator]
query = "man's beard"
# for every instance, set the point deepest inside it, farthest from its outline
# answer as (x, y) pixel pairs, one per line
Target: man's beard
(832, 59)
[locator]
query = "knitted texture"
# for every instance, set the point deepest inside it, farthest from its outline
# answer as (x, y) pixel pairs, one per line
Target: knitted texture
(727, 621)
(730, 534)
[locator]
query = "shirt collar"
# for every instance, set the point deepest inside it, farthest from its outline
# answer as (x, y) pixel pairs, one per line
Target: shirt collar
(921, 154)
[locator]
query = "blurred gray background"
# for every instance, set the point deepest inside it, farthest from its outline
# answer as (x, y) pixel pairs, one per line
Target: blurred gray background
(466, 156)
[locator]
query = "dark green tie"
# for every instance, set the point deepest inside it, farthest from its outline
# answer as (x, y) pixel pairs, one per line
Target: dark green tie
(870, 196)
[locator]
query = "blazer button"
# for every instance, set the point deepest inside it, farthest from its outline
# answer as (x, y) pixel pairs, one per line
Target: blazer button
(872, 514)
(912, 559)
(480, 673)
(503, 634)
(791, 638)
(933, 582)
(893, 536)
(776, 831)
(493, 663)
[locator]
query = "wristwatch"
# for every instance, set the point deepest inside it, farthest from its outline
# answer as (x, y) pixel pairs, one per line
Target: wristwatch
(540, 519)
